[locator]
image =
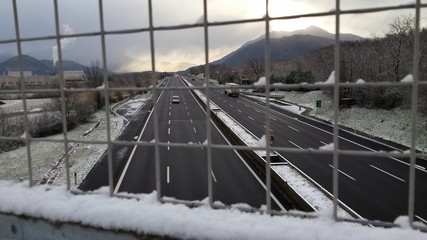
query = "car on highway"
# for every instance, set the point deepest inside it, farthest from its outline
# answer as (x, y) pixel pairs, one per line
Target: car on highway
(175, 99)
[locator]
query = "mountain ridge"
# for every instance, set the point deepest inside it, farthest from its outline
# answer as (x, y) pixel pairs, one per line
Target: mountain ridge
(313, 37)
(36, 66)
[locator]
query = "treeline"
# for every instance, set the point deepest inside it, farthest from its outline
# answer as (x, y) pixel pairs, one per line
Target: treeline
(386, 59)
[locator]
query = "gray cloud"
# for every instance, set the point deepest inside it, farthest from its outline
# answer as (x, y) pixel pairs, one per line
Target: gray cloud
(174, 49)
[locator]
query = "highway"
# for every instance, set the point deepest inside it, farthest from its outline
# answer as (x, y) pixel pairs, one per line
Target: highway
(374, 187)
(183, 169)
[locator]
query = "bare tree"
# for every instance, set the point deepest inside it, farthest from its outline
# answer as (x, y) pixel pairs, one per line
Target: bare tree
(256, 66)
(400, 32)
(94, 77)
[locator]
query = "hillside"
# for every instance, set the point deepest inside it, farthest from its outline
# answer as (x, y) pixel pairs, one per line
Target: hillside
(30, 64)
(285, 45)
(37, 67)
(68, 65)
(282, 49)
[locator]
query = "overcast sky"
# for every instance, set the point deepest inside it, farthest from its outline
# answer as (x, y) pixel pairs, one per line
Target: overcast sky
(178, 49)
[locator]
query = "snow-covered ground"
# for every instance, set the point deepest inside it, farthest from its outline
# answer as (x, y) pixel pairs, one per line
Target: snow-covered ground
(144, 214)
(393, 125)
(46, 155)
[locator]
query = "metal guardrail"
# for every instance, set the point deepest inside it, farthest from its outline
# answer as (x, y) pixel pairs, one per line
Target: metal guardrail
(205, 25)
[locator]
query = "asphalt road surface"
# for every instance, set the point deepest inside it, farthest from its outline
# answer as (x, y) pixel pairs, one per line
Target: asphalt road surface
(184, 173)
(377, 188)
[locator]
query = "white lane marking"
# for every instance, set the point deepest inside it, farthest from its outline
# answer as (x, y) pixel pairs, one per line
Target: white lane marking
(322, 142)
(293, 128)
(191, 120)
(169, 131)
(239, 110)
(119, 183)
(195, 131)
(238, 101)
(231, 105)
(167, 175)
(296, 145)
(391, 175)
(169, 122)
(169, 146)
(213, 176)
(345, 174)
(246, 105)
(422, 219)
(272, 118)
(258, 111)
(355, 143)
(169, 114)
(188, 113)
(421, 168)
(251, 118)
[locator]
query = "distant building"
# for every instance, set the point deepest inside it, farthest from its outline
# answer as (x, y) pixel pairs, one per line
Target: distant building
(74, 75)
(18, 73)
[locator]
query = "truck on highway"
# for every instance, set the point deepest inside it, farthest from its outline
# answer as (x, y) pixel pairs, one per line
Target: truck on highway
(232, 89)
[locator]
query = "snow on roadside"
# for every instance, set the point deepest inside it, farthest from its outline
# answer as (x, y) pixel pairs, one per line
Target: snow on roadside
(45, 155)
(393, 125)
(86, 155)
(14, 164)
(145, 215)
(285, 106)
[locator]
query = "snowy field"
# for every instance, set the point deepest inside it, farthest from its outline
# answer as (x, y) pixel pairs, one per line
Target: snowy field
(47, 157)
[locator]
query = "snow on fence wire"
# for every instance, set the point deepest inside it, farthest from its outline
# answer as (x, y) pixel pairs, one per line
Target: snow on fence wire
(335, 85)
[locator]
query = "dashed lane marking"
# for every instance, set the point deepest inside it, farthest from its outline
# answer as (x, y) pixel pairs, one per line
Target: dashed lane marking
(296, 145)
(345, 174)
(293, 128)
(167, 175)
(391, 175)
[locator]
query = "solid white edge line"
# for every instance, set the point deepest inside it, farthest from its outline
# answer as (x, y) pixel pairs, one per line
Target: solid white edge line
(321, 188)
(247, 166)
(345, 139)
(391, 175)
(422, 219)
(345, 174)
(119, 182)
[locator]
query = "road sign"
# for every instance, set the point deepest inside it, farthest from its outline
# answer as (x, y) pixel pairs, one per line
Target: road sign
(318, 103)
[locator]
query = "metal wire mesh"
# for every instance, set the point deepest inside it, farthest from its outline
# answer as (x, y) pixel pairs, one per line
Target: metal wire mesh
(205, 25)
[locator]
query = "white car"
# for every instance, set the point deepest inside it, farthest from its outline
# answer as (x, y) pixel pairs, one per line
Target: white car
(175, 99)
